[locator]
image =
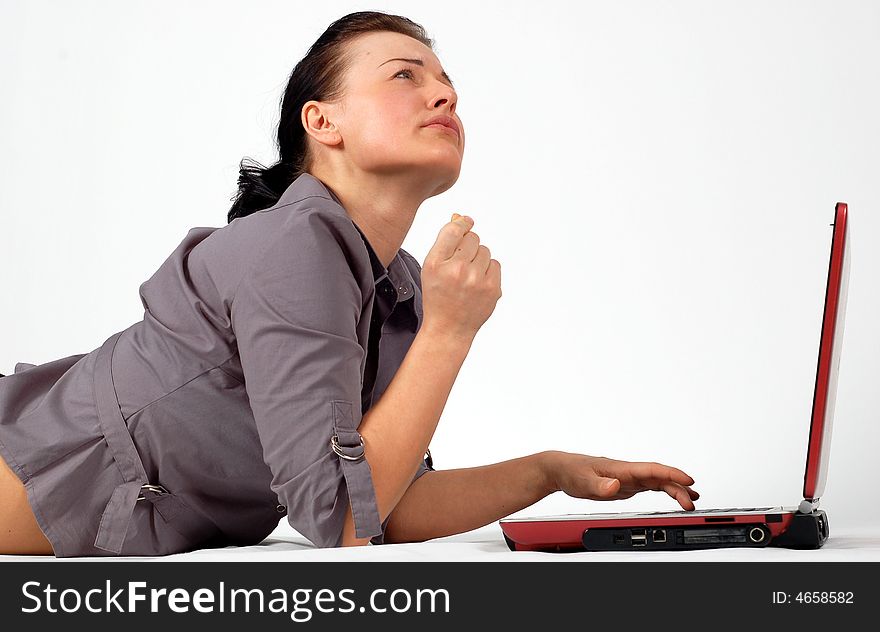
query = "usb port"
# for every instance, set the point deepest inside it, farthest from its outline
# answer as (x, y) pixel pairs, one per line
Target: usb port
(639, 537)
(658, 535)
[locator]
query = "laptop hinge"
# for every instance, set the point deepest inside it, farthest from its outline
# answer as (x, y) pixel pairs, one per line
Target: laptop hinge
(808, 505)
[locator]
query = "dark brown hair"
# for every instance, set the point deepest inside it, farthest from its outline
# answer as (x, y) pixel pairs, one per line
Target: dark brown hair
(318, 76)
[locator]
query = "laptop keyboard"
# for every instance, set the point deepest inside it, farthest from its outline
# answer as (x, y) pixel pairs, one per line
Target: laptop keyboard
(704, 511)
(647, 514)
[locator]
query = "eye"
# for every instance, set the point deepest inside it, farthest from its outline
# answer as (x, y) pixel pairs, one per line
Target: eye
(407, 71)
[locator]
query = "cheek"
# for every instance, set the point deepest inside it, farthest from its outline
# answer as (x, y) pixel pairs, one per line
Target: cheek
(387, 124)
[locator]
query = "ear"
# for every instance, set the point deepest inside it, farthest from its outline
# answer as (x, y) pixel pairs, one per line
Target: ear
(317, 120)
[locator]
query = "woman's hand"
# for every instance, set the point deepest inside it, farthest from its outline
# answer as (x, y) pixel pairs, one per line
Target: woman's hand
(461, 283)
(599, 478)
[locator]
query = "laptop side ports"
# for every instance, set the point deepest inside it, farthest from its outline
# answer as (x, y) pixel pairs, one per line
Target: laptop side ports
(757, 535)
(639, 537)
(670, 537)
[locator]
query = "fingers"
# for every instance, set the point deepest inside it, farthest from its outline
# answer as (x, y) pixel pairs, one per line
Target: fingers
(656, 470)
(680, 494)
(451, 234)
(607, 486)
(643, 471)
(593, 487)
(610, 479)
(481, 261)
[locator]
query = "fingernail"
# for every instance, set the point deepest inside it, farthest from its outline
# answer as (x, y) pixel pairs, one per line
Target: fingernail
(455, 216)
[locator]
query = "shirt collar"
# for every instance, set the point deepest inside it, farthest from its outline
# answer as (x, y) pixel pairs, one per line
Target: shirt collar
(397, 272)
(306, 185)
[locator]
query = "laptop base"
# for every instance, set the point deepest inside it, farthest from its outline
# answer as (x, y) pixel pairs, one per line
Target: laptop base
(804, 531)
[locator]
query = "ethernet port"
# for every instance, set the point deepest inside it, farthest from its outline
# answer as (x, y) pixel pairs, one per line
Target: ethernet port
(658, 536)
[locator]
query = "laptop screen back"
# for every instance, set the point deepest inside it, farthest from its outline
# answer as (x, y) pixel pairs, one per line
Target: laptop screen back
(829, 358)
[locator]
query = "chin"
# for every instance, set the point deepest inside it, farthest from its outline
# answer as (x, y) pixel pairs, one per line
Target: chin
(444, 176)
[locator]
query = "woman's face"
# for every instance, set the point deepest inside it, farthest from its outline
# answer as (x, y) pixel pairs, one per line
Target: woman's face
(387, 103)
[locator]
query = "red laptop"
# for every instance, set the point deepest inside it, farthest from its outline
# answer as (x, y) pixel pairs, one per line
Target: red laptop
(801, 527)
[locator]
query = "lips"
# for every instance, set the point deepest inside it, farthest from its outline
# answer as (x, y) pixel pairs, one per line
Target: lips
(445, 121)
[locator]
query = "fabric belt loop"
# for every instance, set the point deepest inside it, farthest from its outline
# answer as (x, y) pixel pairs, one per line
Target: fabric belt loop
(112, 424)
(118, 511)
(116, 516)
(347, 443)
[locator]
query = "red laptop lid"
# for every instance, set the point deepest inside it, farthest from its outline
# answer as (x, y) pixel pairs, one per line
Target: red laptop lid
(829, 358)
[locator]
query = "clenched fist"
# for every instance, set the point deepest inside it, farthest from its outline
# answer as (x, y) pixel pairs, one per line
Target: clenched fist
(460, 282)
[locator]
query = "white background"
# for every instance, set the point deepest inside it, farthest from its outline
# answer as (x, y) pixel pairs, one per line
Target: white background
(657, 180)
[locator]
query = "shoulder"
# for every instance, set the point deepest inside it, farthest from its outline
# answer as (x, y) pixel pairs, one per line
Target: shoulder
(316, 231)
(313, 217)
(312, 237)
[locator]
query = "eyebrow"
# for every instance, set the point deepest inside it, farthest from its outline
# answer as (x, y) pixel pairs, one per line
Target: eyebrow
(417, 62)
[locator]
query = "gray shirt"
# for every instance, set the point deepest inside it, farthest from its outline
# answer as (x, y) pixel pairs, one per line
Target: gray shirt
(262, 345)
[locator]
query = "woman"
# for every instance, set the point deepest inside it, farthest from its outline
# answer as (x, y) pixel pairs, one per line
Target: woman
(254, 386)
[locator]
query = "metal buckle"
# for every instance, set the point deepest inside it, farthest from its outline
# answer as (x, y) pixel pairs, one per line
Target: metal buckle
(157, 489)
(334, 443)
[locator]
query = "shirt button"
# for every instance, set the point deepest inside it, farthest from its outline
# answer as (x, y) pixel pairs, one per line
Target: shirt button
(281, 509)
(403, 289)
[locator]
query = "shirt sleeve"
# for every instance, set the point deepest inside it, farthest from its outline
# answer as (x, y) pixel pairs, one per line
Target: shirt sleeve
(295, 314)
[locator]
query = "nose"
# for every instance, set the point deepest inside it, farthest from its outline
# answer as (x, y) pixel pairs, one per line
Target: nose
(447, 97)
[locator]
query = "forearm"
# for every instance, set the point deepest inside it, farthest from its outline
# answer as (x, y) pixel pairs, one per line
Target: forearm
(447, 502)
(400, 425)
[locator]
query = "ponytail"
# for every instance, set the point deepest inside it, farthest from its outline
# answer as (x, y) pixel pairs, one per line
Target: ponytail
(260, 187)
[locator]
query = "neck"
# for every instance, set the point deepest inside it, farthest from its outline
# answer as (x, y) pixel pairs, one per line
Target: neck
(382, 206)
